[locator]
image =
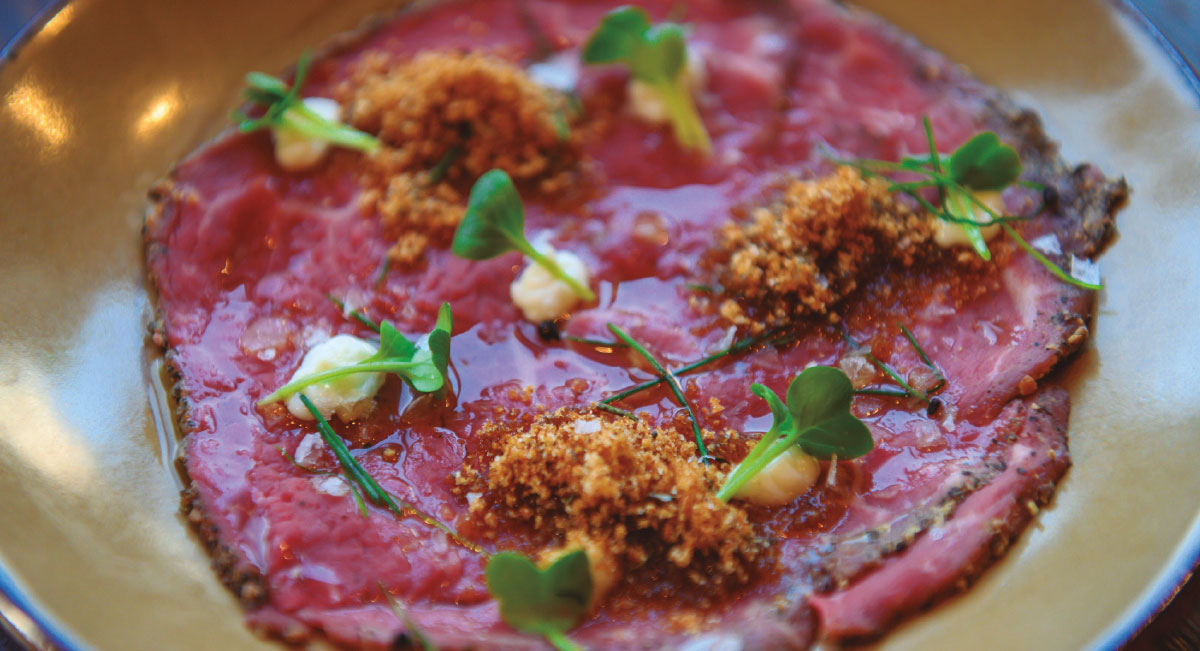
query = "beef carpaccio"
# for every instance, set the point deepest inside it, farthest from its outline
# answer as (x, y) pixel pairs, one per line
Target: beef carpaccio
(244, 256)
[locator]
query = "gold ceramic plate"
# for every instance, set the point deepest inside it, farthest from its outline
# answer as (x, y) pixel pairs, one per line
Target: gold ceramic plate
(103, 99)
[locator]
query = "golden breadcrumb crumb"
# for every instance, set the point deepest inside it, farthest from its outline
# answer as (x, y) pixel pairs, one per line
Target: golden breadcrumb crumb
(465, 113)
(601, 481)
(412, 212)
(811, 247)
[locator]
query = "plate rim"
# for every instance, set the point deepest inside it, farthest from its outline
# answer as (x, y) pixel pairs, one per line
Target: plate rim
(1138, 615)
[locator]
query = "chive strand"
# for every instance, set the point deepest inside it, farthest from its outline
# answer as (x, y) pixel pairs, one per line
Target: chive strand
(438, 172)
(737, 347)
(297, 464)
(595, 342)
(409, 624)
(616, 410)
(1050, 266)
(921, 351)
(384, 267)
(370, 488)
(671, 380)
(358, 500)
(893, 393)
(913, 391)
(354, 314)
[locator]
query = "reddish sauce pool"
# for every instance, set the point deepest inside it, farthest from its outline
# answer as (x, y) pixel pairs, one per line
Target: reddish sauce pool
(248, 254)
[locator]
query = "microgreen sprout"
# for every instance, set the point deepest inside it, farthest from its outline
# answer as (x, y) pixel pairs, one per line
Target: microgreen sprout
(982, 164)
(421, 364)
(545, 602)
(657, 56)
(370, 488)
(285, 109)
(495, 224)
(816, 417)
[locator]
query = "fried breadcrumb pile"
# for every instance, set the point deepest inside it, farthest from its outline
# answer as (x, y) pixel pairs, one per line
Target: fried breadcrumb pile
(609, 483)
(466, 113)
(811, 247)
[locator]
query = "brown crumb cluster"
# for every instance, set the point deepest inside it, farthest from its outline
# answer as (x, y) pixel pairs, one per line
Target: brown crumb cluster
(475, 112)
(608, 483)
(812, 247)
(413, 212)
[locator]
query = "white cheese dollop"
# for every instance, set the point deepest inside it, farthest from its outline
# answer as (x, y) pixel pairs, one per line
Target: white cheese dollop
(560, 72)
(786, 478)
(296, 152)
(948, 234)
(349, 396)
(539, 295)
(648, 105)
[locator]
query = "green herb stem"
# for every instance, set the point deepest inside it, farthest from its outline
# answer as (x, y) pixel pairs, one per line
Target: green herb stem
(560, 641)
(671, 380)
(304, 120)
(1053, 268)
(769, 448)
(383, 271)
(370, 488)
(599, 343)
(357, 315)
(358, 500)
(411, 626)
(285, 109)
(549, 264)
(894, 393)
(438, 172)
(616, 410)
(291, 388)
(913, 391)
(912, 339)
(685, 119)
(737, 347)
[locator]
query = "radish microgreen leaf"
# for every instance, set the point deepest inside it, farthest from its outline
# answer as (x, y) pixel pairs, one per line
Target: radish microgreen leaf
(657, 56)
(422, 364)
(494, 224)
(545, 602)
(284, 108)
(816, 417)
(982, 164)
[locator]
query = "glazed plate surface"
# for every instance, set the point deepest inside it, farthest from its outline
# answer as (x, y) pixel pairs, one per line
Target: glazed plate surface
(100, 102)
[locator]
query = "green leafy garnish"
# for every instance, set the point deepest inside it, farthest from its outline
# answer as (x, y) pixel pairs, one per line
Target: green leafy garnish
(771, 336)
(495, 223)
(672, 382)
(816, 417)
(657, 56)
(285, 109)
(422, 364)
(908, 389)
(982, 164)
(370, 488)
(545, 602)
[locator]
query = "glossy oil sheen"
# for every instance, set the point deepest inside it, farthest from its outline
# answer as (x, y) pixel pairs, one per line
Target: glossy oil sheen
(98, 104)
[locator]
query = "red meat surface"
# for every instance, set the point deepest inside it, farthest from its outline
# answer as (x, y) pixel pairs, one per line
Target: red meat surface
(244, 255)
